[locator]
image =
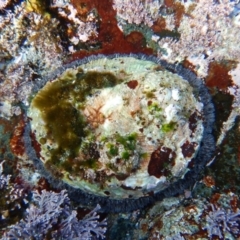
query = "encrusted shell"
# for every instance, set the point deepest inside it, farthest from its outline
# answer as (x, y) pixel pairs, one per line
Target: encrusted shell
(118, 127)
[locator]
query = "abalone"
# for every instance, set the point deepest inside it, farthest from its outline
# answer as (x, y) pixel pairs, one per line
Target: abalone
(122, 129)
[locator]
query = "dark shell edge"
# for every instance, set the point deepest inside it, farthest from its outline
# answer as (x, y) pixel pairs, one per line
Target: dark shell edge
(205, 153)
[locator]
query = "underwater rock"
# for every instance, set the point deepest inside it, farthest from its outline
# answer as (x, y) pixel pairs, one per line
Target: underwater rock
(122, 130)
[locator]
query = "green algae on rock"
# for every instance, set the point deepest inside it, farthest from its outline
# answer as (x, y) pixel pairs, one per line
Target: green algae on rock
(117, 127)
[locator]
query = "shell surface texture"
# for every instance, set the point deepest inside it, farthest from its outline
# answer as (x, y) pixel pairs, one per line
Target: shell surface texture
(122, 130)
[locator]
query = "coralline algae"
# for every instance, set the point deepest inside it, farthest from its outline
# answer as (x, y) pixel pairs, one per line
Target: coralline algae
(123, 129)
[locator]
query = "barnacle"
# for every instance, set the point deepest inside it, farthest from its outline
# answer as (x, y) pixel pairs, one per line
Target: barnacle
(122, 130)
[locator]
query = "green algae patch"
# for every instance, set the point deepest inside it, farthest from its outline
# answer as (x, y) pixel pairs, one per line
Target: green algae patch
(125, 155)
(115, 125)
(154, 107)
(113, 151)
(64, 124)
(129, 141)
(168, 127)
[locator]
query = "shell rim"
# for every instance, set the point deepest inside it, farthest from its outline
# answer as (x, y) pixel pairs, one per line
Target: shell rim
(205, 153)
